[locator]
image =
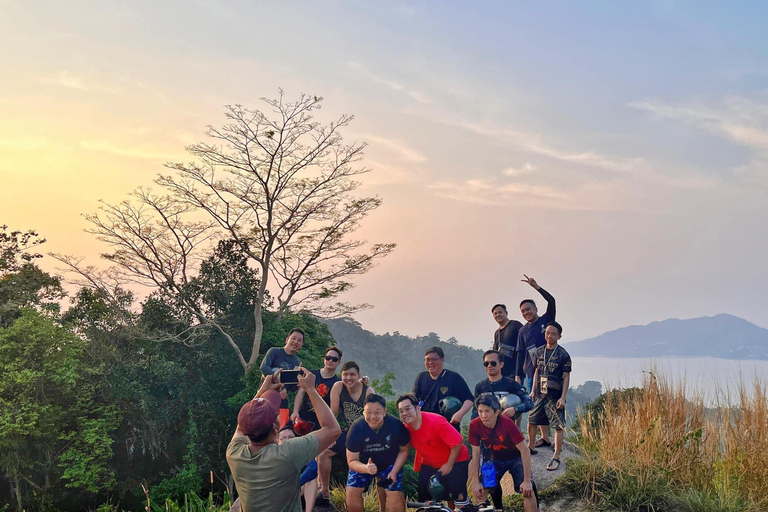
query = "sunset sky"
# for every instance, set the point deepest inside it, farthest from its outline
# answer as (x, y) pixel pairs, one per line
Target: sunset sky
(615, 151)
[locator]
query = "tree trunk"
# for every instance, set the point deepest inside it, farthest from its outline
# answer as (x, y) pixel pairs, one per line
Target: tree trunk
(16, 489)
(258, 332)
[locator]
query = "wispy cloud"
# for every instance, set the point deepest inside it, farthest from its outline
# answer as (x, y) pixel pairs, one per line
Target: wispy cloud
(526, 168)
(400, 148)
(738, 120)
(70, 81)
(132, 152)
(534, 144)
(416, 95)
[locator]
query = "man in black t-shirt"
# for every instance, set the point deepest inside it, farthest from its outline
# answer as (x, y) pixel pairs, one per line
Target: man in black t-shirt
(550, 387)
(437, 383)
(377, 447)
(325, 379)
(505, 339)
(500, 386)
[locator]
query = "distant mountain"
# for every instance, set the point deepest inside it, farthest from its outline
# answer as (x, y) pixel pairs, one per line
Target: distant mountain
(402, 355)
(723, 336)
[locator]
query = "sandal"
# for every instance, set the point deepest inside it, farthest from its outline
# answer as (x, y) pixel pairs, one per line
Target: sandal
(553, 467)
(533, 452)
(542, 442)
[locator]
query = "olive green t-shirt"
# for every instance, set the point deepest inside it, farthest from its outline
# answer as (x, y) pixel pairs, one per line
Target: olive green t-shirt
(268, 481)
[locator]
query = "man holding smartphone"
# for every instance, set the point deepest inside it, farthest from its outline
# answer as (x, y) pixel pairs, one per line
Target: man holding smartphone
(267, 474)
(284, 358)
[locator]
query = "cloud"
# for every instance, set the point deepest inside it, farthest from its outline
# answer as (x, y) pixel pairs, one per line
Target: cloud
(395, 86)
(65, 79)
(493, 192)
(739, 120)
(396, 146)
(517, 171)
(534, 144)
(107, 147)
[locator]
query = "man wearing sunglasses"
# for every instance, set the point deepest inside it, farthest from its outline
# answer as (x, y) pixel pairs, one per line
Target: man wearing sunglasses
(325, 378)
(500, 386)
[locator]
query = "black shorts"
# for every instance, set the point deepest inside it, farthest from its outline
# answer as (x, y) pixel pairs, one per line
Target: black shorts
(340, 446)
(545, 412)
(455, 483)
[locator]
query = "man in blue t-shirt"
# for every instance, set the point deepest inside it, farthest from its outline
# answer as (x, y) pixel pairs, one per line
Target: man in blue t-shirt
(284, 358)
(529, 339)
(377, 447)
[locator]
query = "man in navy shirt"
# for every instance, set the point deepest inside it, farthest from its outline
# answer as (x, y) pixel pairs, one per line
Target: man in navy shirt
(500, 386)
(505, 338)
(529, 339)
(284, 358)
(437, 383)
(377, 447)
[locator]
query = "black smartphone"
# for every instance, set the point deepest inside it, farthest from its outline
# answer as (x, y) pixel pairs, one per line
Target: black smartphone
(290, 376)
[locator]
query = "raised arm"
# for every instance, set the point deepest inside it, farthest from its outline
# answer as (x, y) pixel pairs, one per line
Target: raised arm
(267, 382)
(329, 427)
(549, 298)
(266, 365)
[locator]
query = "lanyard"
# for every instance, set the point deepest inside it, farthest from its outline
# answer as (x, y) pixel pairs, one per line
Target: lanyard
(546, 365)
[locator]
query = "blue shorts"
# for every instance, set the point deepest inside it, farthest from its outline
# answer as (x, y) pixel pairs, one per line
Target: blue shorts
(309, 473)
(363, 480)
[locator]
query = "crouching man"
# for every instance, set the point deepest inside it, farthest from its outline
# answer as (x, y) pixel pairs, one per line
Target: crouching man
(377, 446)
(442, 460)
(499, 443)
(267, 474)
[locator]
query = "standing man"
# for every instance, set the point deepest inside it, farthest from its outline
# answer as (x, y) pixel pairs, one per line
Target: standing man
(347, 396)
(499, 385)
(440, 452)
(530, 338)
(308, 478)
(383, 441)
(505, 339)
(550, 387)
(436, 384)
(325, 378)
(284, 358)
(267, 474)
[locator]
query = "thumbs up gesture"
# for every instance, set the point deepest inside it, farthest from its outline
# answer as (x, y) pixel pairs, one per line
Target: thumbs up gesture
(372, 469)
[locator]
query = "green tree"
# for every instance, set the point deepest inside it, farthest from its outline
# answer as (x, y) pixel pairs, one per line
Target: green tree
(53, 429)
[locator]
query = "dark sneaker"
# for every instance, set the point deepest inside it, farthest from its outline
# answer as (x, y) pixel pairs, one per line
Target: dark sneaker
(322, 501)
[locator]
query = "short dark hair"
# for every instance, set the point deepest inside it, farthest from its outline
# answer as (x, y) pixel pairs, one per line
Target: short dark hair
(288, 426)
(373, 398)
(407, 397)
(556, 326)
(350, 364)
(298, 330)
(489, 352)
(502, 306)
(527, 300)
(436, 350)
(488, 399)
(337, 349)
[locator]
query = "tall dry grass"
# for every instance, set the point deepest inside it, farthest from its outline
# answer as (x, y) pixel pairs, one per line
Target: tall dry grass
(655, 449)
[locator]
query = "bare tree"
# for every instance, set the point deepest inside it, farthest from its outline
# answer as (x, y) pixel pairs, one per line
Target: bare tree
(281, 186)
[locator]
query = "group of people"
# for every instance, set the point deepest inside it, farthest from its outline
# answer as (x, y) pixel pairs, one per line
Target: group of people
(277, 455)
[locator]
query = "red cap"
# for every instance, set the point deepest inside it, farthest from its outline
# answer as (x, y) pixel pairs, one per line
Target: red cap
(257, 416)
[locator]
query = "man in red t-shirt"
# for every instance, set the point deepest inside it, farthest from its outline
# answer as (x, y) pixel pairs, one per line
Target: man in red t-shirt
(440, 451)
(496, 439)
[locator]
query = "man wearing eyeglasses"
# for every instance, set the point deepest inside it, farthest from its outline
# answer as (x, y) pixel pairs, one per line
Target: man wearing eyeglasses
(325, 378)
(437, 383)
(500, 386)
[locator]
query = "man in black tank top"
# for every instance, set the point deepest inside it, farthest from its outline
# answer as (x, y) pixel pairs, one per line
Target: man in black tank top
(347, 398)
